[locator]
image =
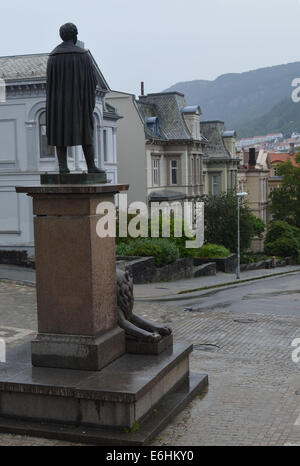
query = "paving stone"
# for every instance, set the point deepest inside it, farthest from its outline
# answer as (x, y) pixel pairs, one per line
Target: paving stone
(251, 398)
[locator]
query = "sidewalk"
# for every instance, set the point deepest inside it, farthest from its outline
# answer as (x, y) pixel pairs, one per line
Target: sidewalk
(181, 289)
(164, 291)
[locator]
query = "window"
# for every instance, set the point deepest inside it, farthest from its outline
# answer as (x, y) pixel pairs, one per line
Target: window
(45, 150)
(174, 171)
(215, 185)
(105, 154)
(155, 172)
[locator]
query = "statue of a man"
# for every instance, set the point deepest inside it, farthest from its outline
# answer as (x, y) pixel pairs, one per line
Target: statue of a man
(71, 98)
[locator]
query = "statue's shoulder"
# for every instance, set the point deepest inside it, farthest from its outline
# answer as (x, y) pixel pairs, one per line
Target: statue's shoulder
(68, 48)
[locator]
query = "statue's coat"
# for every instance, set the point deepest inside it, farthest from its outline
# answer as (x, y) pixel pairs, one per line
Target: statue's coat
(71, 96)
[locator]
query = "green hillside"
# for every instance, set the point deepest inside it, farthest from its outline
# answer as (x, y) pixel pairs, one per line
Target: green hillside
(283, 117)
(241, 98)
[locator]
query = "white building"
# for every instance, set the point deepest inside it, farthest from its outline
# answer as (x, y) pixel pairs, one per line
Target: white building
(24, 153)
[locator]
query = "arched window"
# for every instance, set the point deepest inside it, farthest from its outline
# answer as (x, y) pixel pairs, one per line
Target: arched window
(46, 151)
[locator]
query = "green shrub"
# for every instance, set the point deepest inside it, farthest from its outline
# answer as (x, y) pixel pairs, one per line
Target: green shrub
(163, 250)
(251, 257)
(214, 251)
(282, 247)
(281, 229)
(221, 221)
(180, 243)
(259, 226)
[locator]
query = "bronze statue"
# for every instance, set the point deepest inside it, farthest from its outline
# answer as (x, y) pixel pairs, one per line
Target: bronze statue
(136, 328)
(71, 98)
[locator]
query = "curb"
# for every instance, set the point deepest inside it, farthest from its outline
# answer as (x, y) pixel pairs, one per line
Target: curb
(181, 295)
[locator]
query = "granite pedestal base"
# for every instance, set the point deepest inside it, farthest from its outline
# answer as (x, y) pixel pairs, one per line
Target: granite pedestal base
(138, 393)
(142, 347)
(78, 352)
(73, 178)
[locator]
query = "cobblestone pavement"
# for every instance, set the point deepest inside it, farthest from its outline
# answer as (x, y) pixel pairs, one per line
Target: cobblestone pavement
(252, 397)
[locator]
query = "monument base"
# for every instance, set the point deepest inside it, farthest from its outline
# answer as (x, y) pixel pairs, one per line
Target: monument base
(127, 403)
(78, 352)
(74, 178)
(142, 347)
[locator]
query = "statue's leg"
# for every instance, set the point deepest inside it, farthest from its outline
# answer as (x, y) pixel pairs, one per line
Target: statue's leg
(62, 160)
(89, 154)
(132, 331)
(144, 324)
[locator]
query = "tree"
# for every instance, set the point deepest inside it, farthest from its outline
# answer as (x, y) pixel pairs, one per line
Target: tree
(285, 201)
(221, 221)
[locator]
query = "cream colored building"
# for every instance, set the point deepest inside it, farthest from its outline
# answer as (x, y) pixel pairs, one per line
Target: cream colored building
(220, 160)
(253, 176)
(167, 154)
(160, 147)
(132, 167)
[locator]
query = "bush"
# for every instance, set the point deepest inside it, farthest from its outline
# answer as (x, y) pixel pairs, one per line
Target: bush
(213, 251)
(259, 226)
(164, 251)
(282, 247)
(221, 221)
(281, 229)
(180, 243)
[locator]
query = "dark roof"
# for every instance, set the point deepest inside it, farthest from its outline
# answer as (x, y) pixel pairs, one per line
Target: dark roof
(23, 67)
(213, 131)
(33, 67)
(167, 108)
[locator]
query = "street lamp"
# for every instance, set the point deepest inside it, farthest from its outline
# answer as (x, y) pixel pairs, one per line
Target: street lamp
(239, 197)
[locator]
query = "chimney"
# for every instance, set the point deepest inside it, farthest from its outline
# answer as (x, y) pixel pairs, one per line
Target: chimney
(292, 148)
(142, 88)
(252, 158)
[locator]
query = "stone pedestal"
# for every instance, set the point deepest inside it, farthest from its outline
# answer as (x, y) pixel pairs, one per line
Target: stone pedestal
(76, 381)
(76, 284)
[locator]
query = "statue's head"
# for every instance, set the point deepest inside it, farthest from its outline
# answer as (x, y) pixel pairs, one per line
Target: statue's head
(68, 32)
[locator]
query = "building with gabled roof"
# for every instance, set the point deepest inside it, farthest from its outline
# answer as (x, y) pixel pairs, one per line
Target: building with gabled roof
(219, 158)
(165, 153)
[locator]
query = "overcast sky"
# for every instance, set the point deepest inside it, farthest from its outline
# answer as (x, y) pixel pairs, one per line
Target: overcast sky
(160, 42)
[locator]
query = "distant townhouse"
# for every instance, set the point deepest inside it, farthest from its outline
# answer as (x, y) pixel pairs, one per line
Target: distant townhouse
(220, 160)
(161, 147)
(24, 152)
(276, 159)
(167, 154)
(253, 176)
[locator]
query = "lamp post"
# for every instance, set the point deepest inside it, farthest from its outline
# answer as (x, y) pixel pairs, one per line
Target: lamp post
(238, 272)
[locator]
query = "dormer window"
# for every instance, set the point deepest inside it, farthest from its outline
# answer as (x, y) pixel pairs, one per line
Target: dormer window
(152, 124)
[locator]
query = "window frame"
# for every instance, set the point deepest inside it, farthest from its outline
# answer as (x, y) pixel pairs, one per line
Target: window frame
(176, 171)
(41, 136)
(157, 171)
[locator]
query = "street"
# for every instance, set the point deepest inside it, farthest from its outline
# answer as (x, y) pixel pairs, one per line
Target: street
(242, 338)
(276, 295)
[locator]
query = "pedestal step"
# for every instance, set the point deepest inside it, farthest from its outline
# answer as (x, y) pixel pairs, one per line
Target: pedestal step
(158, 419)
(120, 396)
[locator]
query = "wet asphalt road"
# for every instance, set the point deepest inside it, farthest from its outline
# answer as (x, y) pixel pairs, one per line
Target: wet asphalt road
(278, 295)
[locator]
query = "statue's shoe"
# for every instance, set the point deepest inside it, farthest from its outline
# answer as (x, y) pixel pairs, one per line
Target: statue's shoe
(64, 171)
(95, 170)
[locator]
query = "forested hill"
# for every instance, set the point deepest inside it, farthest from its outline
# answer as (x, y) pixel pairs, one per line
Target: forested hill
(240, 99)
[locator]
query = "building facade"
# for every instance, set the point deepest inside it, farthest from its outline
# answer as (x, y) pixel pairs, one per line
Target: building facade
(167, 154)
(24, 152)
(276, 159)
(220, 159)
(253, 177)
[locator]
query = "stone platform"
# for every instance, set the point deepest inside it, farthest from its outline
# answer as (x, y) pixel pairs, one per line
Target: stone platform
(73, 178)
(127, 403)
